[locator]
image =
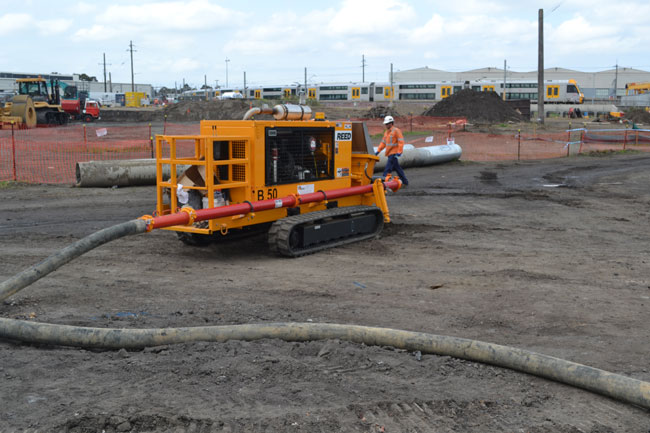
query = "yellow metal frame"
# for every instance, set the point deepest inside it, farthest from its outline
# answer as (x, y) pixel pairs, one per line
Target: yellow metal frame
(357, 169)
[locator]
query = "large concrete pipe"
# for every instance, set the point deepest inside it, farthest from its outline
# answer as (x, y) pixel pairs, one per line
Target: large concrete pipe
(423, 156)
(130, 172)
(135, 172)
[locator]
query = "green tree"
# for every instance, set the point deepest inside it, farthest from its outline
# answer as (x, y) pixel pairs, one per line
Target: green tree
(86, 77)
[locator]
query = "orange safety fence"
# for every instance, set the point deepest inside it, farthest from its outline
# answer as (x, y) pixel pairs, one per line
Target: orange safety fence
(50, 155)
(502, 147)
(417, 124)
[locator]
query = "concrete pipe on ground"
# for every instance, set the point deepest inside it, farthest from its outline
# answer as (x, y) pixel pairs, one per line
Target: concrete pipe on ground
(131, 172)
(423, 156)
(136, 172)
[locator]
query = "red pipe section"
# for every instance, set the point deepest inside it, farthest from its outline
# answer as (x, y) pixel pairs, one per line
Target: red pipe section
(184, 217)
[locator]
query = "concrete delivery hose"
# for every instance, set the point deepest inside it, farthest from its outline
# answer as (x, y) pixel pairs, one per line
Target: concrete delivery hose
(599, 381)
(609, 384)
(55, 261)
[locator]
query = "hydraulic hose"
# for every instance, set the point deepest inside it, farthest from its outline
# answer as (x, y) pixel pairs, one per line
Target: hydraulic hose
(599, 381)
(55, 261)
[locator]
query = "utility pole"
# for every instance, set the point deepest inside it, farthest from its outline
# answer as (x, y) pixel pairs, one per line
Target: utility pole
(104, 63)
(616, 82)
(504, 80)
(245, 93)
(363, 68)
(205, 86)
(132, 75)
(227, 60)
(540, 68)
(111, 80)
(391, 84)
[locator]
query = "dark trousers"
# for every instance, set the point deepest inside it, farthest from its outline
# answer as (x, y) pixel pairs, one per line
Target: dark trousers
(393, 164)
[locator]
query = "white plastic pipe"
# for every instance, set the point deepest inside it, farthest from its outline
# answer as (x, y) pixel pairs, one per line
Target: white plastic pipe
(423, 156)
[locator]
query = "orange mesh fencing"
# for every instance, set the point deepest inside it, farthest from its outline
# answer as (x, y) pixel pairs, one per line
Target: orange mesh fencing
(416, 124)
(50, 155)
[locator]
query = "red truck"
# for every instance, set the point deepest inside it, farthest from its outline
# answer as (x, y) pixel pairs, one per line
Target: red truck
(88, 113)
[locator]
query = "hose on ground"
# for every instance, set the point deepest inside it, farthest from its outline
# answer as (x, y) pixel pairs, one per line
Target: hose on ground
(599, 381)
(55, 261)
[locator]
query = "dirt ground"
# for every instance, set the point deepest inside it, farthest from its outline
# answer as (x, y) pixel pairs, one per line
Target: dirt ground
(549, 256)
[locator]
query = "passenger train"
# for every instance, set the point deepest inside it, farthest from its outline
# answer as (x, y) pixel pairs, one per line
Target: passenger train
(556, 91)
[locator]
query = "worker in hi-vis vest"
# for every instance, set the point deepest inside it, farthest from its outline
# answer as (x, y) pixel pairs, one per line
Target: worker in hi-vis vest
(393, 141)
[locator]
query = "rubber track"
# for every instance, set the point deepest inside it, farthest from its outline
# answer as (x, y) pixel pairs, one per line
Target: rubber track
(281, 229)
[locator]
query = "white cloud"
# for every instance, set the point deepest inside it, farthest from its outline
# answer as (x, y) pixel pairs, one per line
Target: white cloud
(9, 23)
(281, 33)
(83, 8)
(177, 66)
(371, 17)
(165, 18)
(52, 27)
(97, 32)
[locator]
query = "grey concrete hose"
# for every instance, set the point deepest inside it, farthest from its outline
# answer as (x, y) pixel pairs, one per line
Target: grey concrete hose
(599, 381)
(55, 261)
(609, 384)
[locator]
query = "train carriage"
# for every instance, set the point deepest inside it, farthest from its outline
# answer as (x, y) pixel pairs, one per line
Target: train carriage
(556, 91)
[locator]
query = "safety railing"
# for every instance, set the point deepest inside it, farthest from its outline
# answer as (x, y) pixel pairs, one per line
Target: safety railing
(214, 175)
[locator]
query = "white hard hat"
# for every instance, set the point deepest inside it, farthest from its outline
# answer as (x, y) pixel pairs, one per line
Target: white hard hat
(388, 119)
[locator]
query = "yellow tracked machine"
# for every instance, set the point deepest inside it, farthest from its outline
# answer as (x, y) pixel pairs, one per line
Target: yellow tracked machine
(35, 104)
(307, 182)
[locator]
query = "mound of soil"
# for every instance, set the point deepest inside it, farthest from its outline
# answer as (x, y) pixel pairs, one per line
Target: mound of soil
(379, 112)
(231, 109)
(637, 115)
(477, 107)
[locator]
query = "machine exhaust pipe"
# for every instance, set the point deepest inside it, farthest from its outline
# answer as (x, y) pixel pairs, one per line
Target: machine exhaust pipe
(281, 112)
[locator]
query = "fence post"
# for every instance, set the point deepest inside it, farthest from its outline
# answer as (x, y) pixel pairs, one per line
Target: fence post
(625, 138)
(411, 120)
(13, 150)
(85, 138)
(150, 141)
(568, 141)
(165, 125)
(518, 144)
(582, 137)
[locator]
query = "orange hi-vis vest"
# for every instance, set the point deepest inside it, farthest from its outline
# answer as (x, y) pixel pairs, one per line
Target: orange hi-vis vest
(393, 141)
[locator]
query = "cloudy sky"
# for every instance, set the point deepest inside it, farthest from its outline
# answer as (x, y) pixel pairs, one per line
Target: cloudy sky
(273, 41)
